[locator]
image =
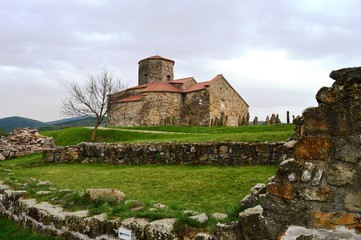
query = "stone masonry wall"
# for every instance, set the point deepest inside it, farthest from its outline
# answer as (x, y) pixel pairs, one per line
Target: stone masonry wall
(226, 103)
(317, 194)
(161, 108)
(155, 70)
(127, 113)
(233, 154)
(196, 108)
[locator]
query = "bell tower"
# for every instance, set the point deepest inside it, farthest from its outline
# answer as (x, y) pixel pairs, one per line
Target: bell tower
(155, 69)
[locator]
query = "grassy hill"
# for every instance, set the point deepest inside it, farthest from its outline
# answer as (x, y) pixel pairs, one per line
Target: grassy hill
(251, 133)
(10, 123)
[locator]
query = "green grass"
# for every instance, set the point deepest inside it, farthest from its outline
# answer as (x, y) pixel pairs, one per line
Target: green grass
(205, 188)
(10, 230)
(258, 133)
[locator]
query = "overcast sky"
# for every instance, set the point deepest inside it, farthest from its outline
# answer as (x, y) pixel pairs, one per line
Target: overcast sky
(275, 53)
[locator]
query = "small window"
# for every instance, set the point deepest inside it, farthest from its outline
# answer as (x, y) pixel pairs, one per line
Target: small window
(168, 78)
(223, 103)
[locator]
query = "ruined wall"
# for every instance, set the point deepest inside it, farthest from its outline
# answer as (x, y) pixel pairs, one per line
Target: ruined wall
(155, 70)
(196, 108)
(226, 106)
(231, 154)
(321, 184)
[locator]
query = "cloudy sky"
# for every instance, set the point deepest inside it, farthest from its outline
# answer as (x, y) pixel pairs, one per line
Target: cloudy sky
(275, 53)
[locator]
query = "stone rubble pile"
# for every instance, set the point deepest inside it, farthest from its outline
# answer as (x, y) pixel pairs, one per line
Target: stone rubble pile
(23, 141)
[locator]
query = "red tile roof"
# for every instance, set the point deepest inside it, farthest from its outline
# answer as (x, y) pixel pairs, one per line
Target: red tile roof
(182, 80)
(131, 99)
(157, 57)
(169, 86)
(203, 85)
(161, 87)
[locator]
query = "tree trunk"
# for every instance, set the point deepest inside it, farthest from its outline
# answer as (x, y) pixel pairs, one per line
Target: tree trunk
(94, 133)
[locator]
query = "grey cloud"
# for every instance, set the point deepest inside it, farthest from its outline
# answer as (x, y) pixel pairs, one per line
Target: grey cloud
(51, 43)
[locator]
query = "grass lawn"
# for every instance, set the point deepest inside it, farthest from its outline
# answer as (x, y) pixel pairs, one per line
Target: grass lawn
(250, 133)
(205, 188)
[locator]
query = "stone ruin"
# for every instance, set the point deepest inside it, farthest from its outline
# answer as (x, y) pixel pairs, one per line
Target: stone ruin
(317, 194)
(23, 141)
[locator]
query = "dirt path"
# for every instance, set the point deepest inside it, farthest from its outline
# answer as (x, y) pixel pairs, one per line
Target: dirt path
(144, 131)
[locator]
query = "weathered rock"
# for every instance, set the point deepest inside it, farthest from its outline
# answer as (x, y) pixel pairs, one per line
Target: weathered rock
(203, 236)
(43, 192)
(22, 142)
(160, 206)
(161, 229)
(106, 194)
(219, 216)
(137, 225)
(227, 231)
(302, 233)
(290, 144)
(353, 201)
(340, 175)
(252, 199)
(201, 218)
(44, 183)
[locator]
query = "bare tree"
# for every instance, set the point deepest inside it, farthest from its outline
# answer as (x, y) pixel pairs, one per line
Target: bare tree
(91, 100)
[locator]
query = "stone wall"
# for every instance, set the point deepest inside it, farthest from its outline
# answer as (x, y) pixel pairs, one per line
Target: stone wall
(155, 70)
(316, 194)
(23, 141)
(127, 113)
(161, 108)
(196, 108)
(231, 154)
(226, 106)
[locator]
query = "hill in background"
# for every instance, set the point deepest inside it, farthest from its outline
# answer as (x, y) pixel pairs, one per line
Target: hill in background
(10, 123)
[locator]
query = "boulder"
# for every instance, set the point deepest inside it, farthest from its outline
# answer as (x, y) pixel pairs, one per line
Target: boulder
(161, 229)
(106, 194)
(201, 218)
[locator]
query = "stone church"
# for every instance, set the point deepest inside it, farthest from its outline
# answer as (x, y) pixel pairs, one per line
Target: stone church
(159, 99)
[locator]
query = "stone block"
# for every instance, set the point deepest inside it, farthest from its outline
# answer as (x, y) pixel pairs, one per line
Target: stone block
(313, 148)
(107, 194)
(329, 220)
(339, 175)
(283, 190)
(161, 229)
(348, 153)
(252, 224)
(137, 225)
(321, 194)
(315, 122)
(353, 201)
(201, 218)
(227, 231)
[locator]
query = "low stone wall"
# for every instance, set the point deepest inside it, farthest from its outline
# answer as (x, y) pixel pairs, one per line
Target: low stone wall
(53, 220)
(23, 141)
(227, 153)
